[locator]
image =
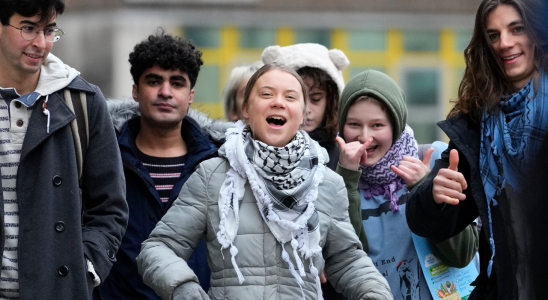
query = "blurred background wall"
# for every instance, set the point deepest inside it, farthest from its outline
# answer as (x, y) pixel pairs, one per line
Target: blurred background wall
(419, 43)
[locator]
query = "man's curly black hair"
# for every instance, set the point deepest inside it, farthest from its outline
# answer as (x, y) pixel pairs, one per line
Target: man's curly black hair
(167, 52)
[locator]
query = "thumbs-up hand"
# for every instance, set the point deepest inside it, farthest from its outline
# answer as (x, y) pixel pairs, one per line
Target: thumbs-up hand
(411, 169)
(352, 154)
(449, 183)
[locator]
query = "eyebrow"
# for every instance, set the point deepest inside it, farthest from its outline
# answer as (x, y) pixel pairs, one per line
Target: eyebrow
(371, 120)
(153, 76)
(158, 77)
(178, 77)
(272, 88)
(36, 24)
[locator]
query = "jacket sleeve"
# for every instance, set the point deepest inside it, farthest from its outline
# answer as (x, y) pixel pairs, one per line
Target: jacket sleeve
(105, 214)
(426, 219)
(347, 266)
(162, 261)
(458, 251)
(351, 179)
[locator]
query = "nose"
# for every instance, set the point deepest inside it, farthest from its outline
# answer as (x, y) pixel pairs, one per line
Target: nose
(364, 135)
(506, 40)
(277, 102)
(165, 91)
(40, 40)
(308, 110)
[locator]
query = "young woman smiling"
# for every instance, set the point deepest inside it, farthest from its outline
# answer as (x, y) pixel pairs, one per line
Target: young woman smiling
(495, 128)
(380, 165)
(320, 70)
(294, 212)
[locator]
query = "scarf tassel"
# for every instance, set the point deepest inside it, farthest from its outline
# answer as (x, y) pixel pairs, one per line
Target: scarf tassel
(300, 281)
(315, 273)
(233, 253)
(393, 198)
(298, 262)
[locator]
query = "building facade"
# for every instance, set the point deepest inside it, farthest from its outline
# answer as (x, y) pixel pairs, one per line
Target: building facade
(419, 43)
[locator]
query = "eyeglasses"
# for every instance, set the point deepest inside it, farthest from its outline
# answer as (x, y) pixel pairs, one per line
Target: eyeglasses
(30, 32)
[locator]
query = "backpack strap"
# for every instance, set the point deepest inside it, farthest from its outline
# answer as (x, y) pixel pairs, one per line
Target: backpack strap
(77, 102)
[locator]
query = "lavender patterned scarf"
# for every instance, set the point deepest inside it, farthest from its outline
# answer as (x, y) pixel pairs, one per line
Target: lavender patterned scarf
(379, 179)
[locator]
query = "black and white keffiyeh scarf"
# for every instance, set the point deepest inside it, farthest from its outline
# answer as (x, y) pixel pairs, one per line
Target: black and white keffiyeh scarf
(284, 181)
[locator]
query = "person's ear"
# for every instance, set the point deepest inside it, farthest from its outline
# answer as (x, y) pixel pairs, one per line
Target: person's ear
(245, 112)
(135, 93)
(191, 99)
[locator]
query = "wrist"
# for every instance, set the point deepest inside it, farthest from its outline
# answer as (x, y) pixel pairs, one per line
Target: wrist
(350, 166)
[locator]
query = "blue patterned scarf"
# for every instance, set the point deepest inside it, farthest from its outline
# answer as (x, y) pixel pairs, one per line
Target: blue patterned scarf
(510, 139)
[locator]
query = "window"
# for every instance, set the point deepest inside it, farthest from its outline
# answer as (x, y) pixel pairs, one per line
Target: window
(203, 37)
(259, 38)
(463, 39)
(319, 36)
(207, 85)
(422, 87)
(366, 40)
(421, 41)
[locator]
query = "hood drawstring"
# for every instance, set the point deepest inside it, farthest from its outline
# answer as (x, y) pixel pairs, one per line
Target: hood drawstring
(46, 111)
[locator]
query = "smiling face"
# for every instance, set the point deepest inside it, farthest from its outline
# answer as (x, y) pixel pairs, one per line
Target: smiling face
(512, 44)
(164, 96)
(21, 57)
(275, 108)
(315, 109)
(366, 120)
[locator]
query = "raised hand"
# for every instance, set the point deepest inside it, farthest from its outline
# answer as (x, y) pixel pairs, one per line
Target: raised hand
(449, 183)
(353, 153)
(411, 169)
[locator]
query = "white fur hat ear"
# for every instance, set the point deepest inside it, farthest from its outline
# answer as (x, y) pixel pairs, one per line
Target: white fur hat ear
(338, 58)
(270, 54)
(309, 55)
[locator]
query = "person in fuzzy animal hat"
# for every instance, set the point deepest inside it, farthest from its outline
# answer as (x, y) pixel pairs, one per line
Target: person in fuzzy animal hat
(320, 69)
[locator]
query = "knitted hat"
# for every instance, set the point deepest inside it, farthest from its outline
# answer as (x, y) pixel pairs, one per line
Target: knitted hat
(380, 86)
(309, 55)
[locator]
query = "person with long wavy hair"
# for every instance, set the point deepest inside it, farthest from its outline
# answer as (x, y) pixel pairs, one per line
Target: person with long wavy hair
(496, 128)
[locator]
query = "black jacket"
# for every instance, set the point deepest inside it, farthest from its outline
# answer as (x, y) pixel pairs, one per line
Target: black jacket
(54, 234)
(329, 144)
(427, 220)
(145, 210)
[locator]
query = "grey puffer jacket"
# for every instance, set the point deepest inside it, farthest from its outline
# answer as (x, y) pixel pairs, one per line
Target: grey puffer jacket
(162, 261)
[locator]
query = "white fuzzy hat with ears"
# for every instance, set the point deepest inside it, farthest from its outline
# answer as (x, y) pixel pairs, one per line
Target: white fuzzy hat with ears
(309, 55)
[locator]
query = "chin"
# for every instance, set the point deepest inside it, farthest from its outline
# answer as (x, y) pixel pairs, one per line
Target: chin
(371, 163)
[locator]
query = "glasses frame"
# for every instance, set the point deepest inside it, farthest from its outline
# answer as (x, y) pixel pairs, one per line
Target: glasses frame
(38, 32)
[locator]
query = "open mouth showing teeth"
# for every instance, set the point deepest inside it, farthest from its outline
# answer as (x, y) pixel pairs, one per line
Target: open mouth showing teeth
(511, 57)
(279, 121)
(33, 56)
(372, 148)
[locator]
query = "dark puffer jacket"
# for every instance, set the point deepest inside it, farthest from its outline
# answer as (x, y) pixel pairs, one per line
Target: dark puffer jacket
(145, 207)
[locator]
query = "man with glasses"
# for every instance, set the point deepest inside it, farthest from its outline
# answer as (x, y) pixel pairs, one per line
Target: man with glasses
(60, 234)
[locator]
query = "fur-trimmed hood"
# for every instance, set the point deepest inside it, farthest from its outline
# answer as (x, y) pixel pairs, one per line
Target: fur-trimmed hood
(122, 111)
